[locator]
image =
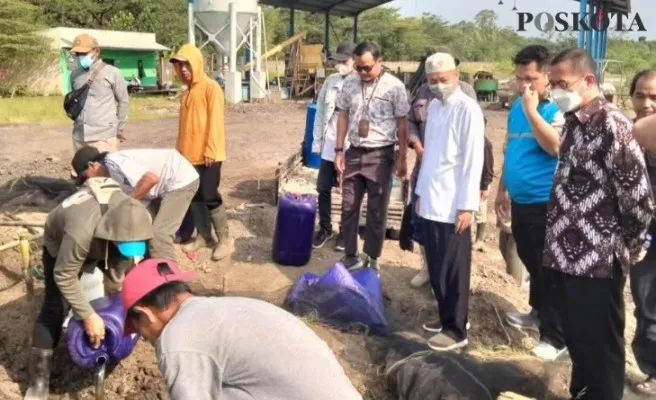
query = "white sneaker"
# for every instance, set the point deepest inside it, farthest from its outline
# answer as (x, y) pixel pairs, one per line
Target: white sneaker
(548, 352)
(420, 279)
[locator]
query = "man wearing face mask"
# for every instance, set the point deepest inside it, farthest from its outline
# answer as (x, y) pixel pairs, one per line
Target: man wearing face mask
(448, 190)
(373, 109)
(105, 111)
(324, 138)
(416, 128)
(600, 208)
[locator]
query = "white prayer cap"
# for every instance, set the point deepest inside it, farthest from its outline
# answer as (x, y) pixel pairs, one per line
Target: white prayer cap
(440, 62)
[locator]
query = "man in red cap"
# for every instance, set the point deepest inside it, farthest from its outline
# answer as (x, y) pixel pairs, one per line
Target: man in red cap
(227, 348)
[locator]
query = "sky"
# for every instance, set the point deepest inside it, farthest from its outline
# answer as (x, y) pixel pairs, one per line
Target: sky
(454, 11)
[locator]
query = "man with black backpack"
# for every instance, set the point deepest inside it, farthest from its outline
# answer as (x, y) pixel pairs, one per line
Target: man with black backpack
(99, 102)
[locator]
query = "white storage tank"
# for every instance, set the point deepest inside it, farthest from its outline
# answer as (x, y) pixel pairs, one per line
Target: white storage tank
(214, 16)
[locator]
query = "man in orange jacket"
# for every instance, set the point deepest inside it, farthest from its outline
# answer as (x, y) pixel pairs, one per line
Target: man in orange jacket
(201, 140)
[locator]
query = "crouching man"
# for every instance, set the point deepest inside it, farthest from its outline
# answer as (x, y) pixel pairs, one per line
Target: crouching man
(161, 175)
(204, 354)
(98, 225)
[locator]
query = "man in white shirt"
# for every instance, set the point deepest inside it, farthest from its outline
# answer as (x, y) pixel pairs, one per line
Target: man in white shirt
(147, 174)
(449, 193)
(324, 139)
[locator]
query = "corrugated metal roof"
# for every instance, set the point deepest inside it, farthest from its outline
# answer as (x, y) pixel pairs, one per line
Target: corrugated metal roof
(119, 40)
(342, 8)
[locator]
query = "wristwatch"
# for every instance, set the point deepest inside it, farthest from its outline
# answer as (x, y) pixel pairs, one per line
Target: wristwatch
(339, 149)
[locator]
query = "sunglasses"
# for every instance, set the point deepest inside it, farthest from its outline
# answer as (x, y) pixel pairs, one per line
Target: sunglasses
(363, 68)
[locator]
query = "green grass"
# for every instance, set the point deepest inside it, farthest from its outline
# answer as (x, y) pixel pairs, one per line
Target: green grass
(50, 109)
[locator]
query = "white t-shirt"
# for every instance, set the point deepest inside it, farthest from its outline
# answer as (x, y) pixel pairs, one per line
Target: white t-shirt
(127, 167)
(330, 140)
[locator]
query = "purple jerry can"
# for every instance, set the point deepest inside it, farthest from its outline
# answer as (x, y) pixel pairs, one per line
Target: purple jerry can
(114, 348)
(292, 237)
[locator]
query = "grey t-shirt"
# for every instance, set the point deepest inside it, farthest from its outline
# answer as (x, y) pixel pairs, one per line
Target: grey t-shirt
(381, 103)
(233, 348)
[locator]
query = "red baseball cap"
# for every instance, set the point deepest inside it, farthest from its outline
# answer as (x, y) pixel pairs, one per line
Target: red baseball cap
(145, 277)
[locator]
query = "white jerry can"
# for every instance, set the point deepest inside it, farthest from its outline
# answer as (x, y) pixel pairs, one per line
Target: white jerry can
(92, 286)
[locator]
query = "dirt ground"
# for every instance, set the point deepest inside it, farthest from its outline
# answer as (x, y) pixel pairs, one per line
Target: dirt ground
(260, 136)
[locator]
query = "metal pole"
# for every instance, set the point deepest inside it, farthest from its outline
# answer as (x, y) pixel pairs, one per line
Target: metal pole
(251, 51)
(589, 33)
(191, 25)
(327, 34)
(595, 34)
(582, 7)
(233, 36)
(292, 21)
(258, 41)
(355, 28)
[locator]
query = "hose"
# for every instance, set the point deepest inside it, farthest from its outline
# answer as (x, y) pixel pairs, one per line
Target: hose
(25, 258)
(100, 378)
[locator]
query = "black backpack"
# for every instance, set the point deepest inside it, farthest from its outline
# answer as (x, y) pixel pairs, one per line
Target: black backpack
(74, 101)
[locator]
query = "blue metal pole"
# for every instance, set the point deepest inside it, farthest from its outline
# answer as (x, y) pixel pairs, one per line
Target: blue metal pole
(582, 7)
(588, 34)
(592, 47)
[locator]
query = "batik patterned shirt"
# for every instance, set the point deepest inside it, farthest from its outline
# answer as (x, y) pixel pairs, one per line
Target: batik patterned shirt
(601, 202)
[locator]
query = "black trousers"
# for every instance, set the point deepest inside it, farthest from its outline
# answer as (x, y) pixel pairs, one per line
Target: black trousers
(591, 312)
(529, 230)
(48, 327)
(367, 171)
(448, 256)
(643, 289)
(208, 187)
(326, 180)
(207, 194)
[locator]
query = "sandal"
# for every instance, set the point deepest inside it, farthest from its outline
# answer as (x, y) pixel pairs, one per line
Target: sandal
(648, 386)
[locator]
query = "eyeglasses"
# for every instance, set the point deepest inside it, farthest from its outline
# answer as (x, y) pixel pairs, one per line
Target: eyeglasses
(363, 68)
(565, 85)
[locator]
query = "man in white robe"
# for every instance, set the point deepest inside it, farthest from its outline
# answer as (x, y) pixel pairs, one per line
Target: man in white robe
(449, 193)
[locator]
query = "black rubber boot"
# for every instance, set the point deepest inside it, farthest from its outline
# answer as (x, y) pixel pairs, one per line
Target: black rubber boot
(226, 244)
(40, 367)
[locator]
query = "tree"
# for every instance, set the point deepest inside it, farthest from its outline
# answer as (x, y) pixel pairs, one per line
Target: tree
(166, 18)
(122, 21)
(23, 49)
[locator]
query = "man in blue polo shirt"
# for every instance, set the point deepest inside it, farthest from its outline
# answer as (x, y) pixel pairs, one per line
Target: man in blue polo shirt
(530, 160)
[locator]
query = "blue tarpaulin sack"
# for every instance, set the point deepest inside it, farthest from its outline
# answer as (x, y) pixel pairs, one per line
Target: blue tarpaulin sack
(341, 299)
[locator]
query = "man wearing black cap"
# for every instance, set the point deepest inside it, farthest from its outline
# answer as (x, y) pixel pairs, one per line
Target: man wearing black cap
(163, 175)
(324, 138)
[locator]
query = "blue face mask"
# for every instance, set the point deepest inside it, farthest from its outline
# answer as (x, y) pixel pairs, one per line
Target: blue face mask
(85, 61)
(132, 249)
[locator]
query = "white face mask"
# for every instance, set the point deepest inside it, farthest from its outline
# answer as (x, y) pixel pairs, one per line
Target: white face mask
(567, 101)
(442, 90)
(344, 69)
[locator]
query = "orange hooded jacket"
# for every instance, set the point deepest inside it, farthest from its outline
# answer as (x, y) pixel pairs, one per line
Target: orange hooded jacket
(201, 131)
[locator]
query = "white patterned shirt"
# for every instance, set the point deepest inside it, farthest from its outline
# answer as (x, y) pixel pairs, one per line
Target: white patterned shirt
(387, 101)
